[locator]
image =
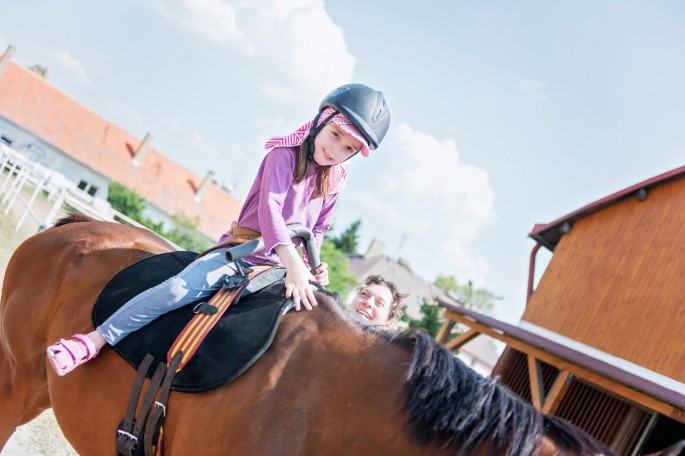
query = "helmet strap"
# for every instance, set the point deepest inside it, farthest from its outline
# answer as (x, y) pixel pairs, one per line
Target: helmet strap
(315, 129)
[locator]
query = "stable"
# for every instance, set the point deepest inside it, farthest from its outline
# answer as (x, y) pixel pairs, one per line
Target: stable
(601, 341)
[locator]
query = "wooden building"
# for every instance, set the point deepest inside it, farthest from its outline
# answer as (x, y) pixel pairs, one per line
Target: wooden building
(601, 342)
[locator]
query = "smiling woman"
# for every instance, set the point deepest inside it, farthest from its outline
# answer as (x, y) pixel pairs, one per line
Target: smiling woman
(378, 300)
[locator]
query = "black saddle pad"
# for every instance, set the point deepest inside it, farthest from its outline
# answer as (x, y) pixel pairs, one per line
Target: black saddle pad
(240, 336)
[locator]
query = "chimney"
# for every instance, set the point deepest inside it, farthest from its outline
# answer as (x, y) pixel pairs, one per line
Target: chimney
(209, 178)
(142, 149)
(5, 59)
(375, 250)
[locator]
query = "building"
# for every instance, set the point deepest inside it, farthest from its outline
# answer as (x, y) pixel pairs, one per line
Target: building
(480, 353)
(49, 127)
(601, 341)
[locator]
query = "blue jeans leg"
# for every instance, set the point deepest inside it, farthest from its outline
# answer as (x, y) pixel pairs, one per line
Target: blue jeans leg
(200, 279)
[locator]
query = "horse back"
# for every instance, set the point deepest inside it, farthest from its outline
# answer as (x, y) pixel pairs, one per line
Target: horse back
(54, 277)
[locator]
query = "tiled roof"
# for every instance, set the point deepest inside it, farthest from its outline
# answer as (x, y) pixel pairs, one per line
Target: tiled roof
(34, 104)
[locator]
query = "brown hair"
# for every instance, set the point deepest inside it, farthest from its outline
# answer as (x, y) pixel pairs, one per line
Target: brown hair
(303, 161)
(397, 297)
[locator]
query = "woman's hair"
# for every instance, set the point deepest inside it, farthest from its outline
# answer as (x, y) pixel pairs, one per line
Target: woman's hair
(397, 297)
(303, 160)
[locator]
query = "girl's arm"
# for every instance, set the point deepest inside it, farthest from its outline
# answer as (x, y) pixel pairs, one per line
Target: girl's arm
(297, 277)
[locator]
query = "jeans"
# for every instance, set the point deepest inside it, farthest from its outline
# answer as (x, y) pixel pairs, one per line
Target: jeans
(200, 279)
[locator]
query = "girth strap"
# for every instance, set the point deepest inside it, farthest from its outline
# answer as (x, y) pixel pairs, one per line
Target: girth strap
(199, 326)
(130, 432)
(153, 428)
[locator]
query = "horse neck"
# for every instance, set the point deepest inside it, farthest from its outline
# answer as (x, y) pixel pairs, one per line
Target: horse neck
(336, 383)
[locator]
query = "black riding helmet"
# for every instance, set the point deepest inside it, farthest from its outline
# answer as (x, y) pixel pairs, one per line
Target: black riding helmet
(364, 107)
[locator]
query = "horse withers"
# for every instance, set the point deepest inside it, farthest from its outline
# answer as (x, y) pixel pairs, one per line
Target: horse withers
(329, 383)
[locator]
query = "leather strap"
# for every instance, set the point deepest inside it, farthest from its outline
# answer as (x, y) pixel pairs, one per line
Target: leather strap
(144, 411)
(239, 235)
(127, 440)
(197, 329)
(156, 418)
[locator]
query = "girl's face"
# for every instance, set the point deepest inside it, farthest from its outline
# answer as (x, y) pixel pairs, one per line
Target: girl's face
(333, 145)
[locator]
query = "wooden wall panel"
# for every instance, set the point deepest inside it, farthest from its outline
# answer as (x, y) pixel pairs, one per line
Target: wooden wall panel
(616, 282)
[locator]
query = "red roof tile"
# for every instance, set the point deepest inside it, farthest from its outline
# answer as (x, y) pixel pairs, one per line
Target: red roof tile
(34, 104)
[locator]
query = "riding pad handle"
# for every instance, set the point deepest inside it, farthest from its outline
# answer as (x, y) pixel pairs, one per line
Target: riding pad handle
(255, 245)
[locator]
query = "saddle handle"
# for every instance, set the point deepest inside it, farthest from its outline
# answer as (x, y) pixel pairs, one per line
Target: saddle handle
(255, 245)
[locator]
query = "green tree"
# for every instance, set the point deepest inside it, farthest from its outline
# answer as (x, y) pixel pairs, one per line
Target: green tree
(126, 201)
(431, 318)
(184, 234)
(478, 299)
(187, 236)
(348, 241)
(341, 281)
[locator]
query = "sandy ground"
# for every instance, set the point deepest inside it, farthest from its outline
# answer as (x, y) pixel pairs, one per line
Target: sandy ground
(42, 436)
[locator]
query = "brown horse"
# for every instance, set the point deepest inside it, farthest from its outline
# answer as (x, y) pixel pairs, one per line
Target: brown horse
(328, 384)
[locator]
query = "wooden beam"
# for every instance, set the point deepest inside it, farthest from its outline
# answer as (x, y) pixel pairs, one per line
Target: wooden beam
(445, 330)
(600, 381)
(462, 339)
(537, 390)
(557, 392)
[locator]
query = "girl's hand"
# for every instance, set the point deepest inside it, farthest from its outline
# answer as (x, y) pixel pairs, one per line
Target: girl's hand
(297, 278)
(322, 274)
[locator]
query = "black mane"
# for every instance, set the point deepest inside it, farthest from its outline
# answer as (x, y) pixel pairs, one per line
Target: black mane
(73, 217)
(452, 406)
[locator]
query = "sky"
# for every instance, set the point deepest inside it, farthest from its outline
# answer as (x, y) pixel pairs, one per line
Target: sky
(504, 114)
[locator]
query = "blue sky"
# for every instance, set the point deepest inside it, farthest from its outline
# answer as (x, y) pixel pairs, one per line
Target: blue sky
(504, 114)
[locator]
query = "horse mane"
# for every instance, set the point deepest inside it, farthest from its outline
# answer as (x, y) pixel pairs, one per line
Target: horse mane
(73, 217)
(452, 406)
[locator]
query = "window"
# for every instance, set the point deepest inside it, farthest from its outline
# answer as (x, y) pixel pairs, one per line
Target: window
(88, 188)
(6, 140)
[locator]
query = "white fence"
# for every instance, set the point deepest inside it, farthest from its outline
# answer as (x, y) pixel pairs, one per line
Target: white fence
(22, 181)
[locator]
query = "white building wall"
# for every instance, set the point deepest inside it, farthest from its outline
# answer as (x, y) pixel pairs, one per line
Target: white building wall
(37, 150)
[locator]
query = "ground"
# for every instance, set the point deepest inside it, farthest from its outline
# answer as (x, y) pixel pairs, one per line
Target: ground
(41, 437)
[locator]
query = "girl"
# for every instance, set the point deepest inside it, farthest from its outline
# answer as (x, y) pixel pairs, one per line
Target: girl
(298, 182)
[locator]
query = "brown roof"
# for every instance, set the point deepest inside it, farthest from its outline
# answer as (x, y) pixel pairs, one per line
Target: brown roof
(548, 234)
(34, 104)
(632, 380)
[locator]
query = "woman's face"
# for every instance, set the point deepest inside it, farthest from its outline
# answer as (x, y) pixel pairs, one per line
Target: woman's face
(333, 145)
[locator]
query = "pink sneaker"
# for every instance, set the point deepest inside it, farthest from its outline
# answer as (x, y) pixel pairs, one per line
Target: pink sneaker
(67, 354)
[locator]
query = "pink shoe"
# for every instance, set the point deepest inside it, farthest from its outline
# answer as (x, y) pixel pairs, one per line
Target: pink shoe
(67, 354)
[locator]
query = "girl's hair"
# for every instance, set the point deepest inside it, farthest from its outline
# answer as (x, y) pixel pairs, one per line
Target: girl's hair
(303, 161)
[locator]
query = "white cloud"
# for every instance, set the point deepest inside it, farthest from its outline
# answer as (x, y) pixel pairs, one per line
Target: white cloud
(533, 87)
(299, 51)
(70, 64)
(416, 185)
(213, 19)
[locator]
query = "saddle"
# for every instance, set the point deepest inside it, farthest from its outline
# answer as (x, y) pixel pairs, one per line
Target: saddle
(240, 336)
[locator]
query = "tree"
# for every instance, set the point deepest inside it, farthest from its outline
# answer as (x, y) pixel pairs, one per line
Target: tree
(341, 281)
(126, 201)
(431, 318)
(478, 299)
(187, 236)
(348, 241)
(184, 234)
